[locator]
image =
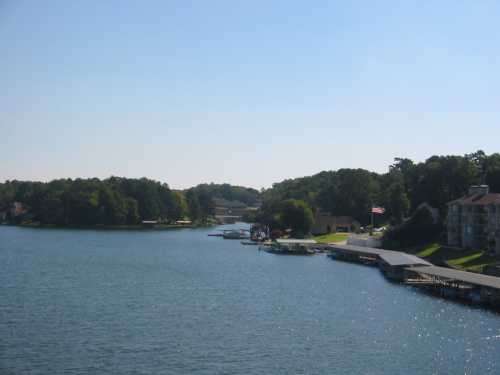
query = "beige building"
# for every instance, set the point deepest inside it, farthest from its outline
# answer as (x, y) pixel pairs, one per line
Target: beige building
(228, 211)
(326, 223)
(474, 220)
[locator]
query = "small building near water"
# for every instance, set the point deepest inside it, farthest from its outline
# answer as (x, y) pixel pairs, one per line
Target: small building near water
(325, 223)
(226, 211)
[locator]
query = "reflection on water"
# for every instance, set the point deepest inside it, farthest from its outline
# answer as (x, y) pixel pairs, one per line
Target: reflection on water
(173, 302)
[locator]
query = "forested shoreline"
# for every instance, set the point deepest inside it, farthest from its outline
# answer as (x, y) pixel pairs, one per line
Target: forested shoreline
(118, 201)
(114, 201)
(352, 192)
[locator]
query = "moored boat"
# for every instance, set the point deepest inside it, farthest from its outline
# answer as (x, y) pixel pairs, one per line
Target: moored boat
(233, 234)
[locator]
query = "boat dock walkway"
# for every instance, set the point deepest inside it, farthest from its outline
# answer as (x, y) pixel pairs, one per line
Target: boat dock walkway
(412, 270)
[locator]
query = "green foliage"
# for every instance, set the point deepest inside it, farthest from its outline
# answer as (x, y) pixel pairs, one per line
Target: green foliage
(296, 215)
(351, 192)
(420, 229)
(249, 217)
(332, 237)
(428, 249)
(470, 259)
(492, 175)
(180, 209)
(193, 205)
(397, 204)
(114, 201)
(346, 192)
(249, 196)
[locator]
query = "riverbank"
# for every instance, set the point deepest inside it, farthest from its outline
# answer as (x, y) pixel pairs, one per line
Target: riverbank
(412, 270)
(466, 260)
(112, 227)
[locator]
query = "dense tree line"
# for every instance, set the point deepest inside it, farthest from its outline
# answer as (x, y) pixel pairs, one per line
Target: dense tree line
(115, 201)
(401, 190)
(345, 192)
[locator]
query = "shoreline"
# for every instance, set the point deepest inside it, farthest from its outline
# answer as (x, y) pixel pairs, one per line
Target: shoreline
(138, 227)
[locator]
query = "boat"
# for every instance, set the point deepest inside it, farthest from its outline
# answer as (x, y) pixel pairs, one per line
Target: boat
(249, 243)
(275, 248)
(233, 234)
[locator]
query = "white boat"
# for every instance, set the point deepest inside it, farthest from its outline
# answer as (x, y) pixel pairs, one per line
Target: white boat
(233, 234)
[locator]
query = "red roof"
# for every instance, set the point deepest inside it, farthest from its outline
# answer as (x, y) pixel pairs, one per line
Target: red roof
(478, 199)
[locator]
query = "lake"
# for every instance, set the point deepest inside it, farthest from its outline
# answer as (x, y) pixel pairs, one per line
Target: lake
(180, 302)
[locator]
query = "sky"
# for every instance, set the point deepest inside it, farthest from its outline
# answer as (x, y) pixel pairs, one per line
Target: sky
(244, 92)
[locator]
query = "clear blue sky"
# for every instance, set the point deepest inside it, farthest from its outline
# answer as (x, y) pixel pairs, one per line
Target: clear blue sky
(245, 92)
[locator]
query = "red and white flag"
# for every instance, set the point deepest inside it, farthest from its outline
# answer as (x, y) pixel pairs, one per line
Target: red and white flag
(378, 210)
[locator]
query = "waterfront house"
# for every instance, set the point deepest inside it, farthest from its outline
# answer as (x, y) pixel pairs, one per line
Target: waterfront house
(18, 209)
(227, 211)
(326, 223)
(474, 220)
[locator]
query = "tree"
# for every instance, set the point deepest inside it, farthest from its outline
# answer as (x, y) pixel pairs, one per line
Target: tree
(180, 208)
(493, 172)
(420, 229)
(193, 205)
(351, 193)
(132, 211)
(398, 203)
(296, 215)
(480, 161)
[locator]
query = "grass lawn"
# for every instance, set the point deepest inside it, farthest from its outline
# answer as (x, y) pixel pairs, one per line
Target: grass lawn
(469, 260)
(331, 237)
(428, 250)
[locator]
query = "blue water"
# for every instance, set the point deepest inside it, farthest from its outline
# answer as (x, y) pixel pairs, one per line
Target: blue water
(179, 302)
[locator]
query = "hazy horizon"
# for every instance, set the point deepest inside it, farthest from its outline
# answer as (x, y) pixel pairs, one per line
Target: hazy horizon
(244, 93)
(176, 187)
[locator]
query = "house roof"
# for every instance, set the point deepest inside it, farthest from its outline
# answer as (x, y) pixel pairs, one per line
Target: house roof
(478, 199)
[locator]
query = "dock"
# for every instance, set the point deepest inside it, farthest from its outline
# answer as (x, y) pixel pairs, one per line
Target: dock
(468, 285)
(412, 270)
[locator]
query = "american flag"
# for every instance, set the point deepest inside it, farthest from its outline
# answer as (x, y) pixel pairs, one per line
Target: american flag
(378, 210)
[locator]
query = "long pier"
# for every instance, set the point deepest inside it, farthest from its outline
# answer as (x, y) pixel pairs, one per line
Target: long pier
(412, 270)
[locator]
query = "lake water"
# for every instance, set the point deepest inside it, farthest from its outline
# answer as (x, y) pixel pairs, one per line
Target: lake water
(179, 302)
